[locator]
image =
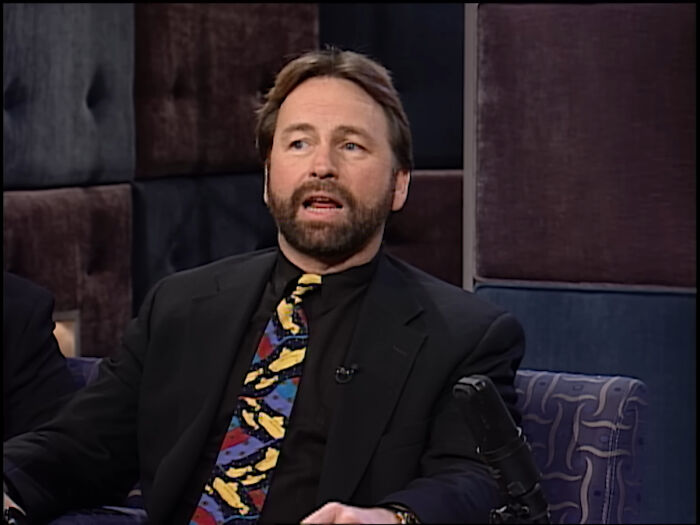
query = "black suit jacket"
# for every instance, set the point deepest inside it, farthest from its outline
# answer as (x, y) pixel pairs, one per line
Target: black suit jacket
(36, 381)
(397, 434)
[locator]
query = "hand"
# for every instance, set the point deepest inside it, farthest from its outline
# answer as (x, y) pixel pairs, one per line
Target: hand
(11, 512)
(338, 513)
(8, 502)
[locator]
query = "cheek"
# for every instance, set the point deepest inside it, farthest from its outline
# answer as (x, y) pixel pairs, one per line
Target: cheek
(374, 187)
(280, 181)
(275, 187)
(284, 172)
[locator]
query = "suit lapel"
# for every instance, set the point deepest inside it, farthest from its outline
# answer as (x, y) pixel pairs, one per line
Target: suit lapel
(384, 347)
(219, 321)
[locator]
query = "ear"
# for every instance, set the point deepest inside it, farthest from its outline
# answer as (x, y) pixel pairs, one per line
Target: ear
(403, 179)
(266, 176)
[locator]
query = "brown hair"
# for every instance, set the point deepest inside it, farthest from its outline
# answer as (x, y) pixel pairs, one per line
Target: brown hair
(374, 78)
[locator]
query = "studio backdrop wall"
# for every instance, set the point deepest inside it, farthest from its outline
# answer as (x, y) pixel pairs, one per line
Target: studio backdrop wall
(129, 155)
(584, 198)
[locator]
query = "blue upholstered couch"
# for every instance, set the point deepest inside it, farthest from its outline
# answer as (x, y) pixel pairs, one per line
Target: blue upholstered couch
(586, 433)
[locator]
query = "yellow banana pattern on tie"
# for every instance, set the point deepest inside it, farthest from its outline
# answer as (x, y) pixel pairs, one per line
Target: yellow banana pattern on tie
(251, 448)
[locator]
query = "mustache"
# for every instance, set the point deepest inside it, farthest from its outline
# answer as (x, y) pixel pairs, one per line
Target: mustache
(333, 189)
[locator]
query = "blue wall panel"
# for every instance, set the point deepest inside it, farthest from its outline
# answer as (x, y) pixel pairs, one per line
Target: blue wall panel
(648, 335)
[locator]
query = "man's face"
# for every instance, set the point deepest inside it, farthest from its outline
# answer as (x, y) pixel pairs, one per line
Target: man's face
(331, 183)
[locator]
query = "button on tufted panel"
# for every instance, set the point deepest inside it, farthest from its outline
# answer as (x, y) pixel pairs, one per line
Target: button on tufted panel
(427, 232)
(199, 71)
(182, 222)
(586, 143)
(67, 79)
(77, 243)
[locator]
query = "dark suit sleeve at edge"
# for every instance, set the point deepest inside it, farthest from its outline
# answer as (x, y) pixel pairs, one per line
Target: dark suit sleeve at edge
(87, 455)
(455, 486)
(38, 379)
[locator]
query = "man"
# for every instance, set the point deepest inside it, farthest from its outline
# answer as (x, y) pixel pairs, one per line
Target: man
(364, 347)
(36, 381)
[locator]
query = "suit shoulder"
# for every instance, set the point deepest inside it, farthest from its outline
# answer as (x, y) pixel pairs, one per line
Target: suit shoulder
(203, 279)
(444, 295)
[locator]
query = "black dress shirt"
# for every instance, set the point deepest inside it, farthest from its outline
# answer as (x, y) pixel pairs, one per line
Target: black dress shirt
(332, 312)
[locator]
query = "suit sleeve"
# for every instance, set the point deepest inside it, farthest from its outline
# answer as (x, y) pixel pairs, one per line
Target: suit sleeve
(455, 485)
(87, 455)
(37, 379)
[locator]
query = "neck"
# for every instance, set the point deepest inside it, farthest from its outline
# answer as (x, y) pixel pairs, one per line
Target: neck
(311, 264)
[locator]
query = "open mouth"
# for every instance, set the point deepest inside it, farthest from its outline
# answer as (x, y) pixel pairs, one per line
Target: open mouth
(321, 202)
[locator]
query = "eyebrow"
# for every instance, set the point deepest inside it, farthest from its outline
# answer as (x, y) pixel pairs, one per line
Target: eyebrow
(340, 130)
(351, 130)
(297, 127)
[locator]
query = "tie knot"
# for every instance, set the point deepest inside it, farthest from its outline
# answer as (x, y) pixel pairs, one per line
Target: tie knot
(306, 283)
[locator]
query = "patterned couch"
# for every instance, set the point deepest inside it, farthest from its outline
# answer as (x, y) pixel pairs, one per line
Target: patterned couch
(128, 155)
(586, 433)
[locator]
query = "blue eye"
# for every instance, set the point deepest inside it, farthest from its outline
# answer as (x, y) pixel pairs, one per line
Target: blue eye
(297, 144)
(352, 146)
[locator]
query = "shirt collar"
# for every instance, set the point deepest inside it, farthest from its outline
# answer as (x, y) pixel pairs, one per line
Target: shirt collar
(333, 286)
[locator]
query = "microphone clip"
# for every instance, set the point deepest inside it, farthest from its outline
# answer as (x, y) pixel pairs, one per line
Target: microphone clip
(344, 374)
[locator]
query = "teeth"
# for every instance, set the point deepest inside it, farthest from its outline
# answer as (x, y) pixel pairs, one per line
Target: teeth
(321, 201)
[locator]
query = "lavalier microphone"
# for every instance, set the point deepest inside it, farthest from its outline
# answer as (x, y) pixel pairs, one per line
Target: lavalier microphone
(343, 374)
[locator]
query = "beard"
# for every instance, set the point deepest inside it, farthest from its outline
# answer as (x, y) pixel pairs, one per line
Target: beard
(330, 241)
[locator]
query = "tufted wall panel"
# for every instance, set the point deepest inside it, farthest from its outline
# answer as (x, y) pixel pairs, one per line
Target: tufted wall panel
(427, 232)
(75, 76)
(67, 82)
(199, 71)
(586, 143)
(188, 221)
(77, 243)
(427, 70)
(646, 334)
(422, 44)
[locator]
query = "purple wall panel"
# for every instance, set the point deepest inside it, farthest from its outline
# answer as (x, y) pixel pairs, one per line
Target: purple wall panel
(427, 232)
(76, 242)
(586, 143)
(199, 71)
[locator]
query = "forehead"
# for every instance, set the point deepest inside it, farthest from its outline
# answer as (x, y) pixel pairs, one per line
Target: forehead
(327, 103)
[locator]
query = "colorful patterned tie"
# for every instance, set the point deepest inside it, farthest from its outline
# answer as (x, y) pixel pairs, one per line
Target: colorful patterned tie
(236, 490)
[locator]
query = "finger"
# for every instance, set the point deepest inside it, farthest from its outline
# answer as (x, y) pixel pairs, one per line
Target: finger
(325, 514)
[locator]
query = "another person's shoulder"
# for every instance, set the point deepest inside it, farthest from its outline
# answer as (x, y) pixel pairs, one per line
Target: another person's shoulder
(24, 301)
(21, 292)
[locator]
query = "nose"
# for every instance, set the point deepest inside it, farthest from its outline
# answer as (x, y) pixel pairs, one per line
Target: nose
(324, 163)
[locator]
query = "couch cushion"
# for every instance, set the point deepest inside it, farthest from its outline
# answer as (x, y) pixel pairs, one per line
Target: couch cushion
(587, 436)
